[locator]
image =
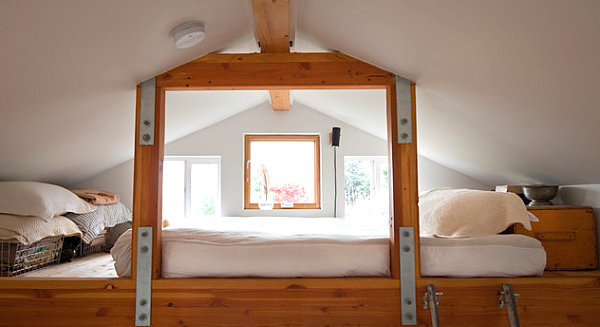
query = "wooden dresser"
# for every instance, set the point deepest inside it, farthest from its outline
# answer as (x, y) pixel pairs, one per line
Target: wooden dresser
(567, 233)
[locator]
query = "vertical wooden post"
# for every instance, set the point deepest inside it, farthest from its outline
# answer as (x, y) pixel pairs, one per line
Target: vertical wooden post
(404, 181)
(147, 182)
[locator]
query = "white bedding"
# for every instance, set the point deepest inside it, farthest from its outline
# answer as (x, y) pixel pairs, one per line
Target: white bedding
(325, 247)
(268, 247)
(485, 256)
(27, 230)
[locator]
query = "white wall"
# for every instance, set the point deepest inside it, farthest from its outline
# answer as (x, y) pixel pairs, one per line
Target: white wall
(582, 195)
(118, 179)
(434, 175)
(226, 139)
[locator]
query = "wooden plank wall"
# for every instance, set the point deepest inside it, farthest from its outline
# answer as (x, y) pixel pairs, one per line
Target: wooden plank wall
(559, 299)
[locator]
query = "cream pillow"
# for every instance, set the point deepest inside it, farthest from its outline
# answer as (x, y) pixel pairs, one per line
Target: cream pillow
(40, 200)
(469, 213)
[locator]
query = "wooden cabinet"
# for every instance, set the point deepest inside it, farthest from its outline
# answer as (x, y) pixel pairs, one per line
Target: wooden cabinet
(568, 235)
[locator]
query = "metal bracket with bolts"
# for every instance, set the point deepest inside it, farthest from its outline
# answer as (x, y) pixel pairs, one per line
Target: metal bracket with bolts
(508, 298)
(431, 302)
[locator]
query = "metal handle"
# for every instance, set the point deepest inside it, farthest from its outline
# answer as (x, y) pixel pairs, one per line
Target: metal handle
(556, 236)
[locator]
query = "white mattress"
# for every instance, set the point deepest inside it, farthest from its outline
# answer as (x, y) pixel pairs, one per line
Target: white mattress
(486, 256)
(325, 247)
(268, 247)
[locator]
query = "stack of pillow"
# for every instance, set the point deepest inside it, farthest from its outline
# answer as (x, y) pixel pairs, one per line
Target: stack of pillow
(31, 211)
(109, 212)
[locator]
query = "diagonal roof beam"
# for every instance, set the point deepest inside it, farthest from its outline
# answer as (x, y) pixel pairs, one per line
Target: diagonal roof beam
(272, 18)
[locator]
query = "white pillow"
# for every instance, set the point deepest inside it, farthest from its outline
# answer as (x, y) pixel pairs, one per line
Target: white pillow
(40, 200)
(469, 213)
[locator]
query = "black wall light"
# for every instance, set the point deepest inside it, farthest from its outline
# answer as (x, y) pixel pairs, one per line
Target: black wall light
(336, 133)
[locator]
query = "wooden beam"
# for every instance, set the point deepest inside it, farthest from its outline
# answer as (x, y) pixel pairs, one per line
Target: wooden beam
(272, 19)
(280, 100)
(280, 71)
(147, 190)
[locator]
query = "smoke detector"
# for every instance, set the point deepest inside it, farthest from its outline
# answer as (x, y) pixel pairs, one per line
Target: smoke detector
(188, 34)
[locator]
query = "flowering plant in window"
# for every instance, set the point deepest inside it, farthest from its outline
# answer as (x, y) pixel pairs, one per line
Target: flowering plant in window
(288, 193)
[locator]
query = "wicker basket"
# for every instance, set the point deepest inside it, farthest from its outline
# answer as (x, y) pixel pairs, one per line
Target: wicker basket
(17, 259)
(97, 245)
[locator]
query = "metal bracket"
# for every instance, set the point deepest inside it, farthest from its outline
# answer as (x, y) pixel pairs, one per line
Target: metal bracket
(431, 302)
(147, 108)
(508, 297)
(403, 110)
(143, 289)
(407, 276)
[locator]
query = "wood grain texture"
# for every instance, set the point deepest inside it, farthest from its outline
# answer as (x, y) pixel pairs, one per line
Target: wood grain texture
(280, 100)
(557, 299)
(568, 235)
(272, 21)
(271, 71)
(147, 181)
(27, 302)
(403, 179)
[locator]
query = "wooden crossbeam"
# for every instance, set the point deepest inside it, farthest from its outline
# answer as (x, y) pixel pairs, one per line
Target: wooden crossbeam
(273, 31)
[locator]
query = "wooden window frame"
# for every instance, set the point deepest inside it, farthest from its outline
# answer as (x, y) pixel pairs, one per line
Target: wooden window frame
(315, 138)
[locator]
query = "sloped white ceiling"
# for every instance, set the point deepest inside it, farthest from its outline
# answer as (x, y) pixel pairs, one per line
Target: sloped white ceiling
(508, 91)
(69, 70)
(363, 109)
(189, 111)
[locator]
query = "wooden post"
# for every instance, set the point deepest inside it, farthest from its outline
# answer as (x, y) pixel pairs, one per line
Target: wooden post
(147, 189)
(403, 181)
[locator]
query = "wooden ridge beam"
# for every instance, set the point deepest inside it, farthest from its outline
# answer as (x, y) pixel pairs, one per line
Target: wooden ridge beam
(272, 19)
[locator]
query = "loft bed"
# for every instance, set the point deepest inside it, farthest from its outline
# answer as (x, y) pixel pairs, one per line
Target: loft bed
(555, 299)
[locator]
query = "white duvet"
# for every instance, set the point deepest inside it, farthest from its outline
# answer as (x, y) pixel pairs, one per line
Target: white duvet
(268, 247)
(325, 247)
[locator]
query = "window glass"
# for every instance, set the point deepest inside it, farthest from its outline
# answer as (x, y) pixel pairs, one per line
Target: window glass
(205, 190)
(191, 187)
(173, 188)
(282, 169)
(366, 187)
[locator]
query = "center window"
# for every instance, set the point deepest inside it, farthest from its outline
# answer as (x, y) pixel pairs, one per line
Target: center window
(282, 172)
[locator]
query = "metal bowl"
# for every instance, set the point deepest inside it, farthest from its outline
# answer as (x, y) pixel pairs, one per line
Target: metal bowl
(540, 195)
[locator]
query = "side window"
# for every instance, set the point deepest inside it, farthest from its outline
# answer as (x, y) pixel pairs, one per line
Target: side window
(191, 187)
(366, 186)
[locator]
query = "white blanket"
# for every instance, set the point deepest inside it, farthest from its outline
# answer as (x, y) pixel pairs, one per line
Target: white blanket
(469, 213)
(27, 230)
(268, 247)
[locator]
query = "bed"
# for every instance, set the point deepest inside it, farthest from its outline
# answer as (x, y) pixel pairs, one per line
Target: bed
(485, 256)
(268, 247)
(282, 247)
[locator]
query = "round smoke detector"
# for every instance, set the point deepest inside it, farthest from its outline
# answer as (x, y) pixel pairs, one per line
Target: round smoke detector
(188, 34)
